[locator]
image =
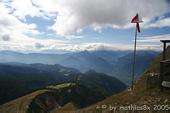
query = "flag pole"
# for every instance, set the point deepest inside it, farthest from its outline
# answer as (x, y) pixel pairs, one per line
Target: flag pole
(134, 60)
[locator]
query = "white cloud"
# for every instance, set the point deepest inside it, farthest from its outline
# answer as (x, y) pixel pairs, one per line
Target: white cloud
(154, 39)
(23, 8)
(74, 15)
(10, 24)
(143, 43)
(50, 45)
(70, 37)
(106, 46)
(162, 22)
(14, 34)
(22, 43)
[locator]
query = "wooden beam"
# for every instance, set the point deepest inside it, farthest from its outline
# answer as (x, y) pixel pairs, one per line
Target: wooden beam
(164, 51)
(165, 41)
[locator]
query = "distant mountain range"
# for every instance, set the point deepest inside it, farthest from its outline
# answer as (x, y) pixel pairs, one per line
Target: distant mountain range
(17, 79)
(146, 92)
(123, 66)
(113, 63)
(90, 88)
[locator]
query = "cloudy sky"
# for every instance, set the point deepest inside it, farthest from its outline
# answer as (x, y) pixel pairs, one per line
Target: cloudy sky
(75, 25)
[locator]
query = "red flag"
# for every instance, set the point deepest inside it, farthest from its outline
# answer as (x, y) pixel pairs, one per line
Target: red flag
(136, 20)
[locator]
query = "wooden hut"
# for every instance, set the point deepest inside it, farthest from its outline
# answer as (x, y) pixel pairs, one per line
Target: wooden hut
(164, 68)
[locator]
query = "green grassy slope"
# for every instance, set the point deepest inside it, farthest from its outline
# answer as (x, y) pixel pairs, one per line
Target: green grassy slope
(21, 104)
(17, 79)
(53, 97)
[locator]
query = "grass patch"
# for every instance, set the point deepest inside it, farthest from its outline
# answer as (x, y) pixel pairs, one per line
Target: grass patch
(60, 86)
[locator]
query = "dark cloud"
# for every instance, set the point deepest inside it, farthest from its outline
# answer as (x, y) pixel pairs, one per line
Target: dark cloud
(39, 45)
(6, 37)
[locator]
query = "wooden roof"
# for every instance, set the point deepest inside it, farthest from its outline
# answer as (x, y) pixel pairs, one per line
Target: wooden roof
(165, 41)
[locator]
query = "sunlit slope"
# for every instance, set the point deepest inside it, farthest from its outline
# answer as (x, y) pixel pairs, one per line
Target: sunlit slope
(66, 96)
(21, 104)
(146, 92)
(17, 79)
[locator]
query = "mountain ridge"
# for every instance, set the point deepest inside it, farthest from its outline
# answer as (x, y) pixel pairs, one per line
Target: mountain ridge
(108, 62)
(142, 94)
(20, 79)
